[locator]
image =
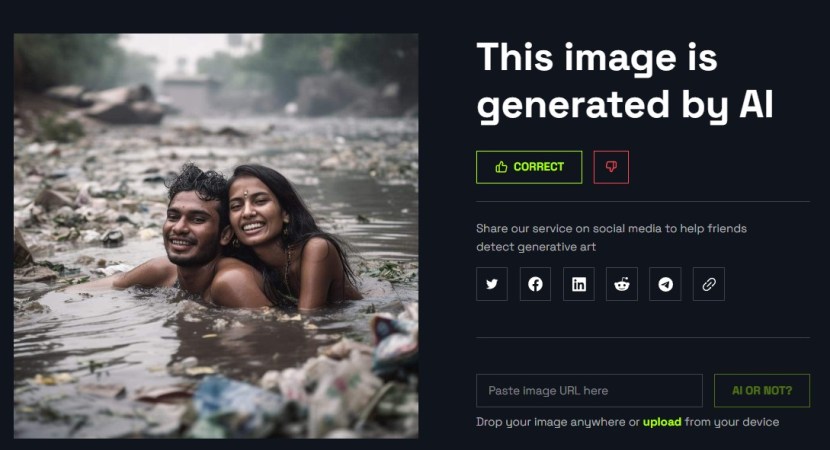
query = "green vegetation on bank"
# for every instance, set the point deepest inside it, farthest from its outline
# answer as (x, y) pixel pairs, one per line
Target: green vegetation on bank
(95, 61)
(284, 59)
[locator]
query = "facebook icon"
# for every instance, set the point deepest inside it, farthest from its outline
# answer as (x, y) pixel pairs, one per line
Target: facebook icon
(535, 284)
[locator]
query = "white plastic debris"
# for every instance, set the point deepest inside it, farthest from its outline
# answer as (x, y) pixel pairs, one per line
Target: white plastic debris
(111, 270)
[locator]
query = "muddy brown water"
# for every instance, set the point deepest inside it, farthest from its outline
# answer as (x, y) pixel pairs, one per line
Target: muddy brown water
(139, 338)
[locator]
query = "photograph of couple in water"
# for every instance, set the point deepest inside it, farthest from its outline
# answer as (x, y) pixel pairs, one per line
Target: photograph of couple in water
(216, 235)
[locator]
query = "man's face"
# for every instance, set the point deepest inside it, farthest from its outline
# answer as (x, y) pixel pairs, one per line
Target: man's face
(191, 231)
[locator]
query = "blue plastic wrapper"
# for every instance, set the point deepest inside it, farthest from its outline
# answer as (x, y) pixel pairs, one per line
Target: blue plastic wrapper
(228, 408)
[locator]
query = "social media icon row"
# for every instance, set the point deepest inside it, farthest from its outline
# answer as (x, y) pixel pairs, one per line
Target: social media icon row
(621, 284)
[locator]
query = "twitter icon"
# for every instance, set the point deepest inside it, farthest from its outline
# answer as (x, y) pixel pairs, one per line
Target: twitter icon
(491, 284)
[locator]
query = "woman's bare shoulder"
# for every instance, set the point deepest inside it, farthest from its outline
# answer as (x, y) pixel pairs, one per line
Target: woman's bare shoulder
(318, 249)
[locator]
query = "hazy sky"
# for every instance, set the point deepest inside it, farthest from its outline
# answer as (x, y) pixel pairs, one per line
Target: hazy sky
(170, 47)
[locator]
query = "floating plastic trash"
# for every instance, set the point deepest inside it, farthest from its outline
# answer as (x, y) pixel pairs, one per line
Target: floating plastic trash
(228, 408)
(396, 344)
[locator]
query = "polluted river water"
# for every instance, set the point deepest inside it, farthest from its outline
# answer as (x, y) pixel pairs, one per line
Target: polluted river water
(112, 363)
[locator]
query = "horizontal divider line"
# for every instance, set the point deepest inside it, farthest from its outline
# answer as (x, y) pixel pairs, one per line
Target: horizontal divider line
(642, 337)
(643, 201)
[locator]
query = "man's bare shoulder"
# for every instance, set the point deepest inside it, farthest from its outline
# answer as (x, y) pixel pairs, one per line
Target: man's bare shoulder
(231, 272)
(237, 284)
(230, 263)
(156, 272)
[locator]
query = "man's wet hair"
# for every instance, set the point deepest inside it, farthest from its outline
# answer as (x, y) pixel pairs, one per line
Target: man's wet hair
(210, 185)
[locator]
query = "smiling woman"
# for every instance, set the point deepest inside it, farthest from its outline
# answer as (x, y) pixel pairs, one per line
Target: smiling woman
(274, 231)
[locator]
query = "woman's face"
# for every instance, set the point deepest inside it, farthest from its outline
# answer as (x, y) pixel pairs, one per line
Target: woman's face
(256, 215)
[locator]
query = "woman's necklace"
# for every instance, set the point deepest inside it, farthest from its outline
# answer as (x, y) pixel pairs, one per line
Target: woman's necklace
(287, 266)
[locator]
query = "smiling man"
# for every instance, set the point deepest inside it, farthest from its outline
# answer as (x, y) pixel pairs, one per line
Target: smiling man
(195, 229)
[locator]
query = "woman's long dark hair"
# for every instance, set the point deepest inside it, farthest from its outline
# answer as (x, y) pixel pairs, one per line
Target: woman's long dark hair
(300, 228)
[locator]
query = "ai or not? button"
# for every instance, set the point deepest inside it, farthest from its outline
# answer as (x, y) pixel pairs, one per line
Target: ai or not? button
(528, 167)
(763, 390)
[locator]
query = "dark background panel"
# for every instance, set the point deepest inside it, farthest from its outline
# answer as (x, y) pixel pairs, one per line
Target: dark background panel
(771, 274)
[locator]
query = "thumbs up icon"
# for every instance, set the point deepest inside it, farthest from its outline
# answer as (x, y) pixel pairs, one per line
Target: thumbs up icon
(501, 167)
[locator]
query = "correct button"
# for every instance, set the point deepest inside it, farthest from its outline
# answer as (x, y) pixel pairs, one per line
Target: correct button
(528, 166)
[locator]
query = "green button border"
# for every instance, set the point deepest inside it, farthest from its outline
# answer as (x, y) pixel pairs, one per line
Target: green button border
(581, 167)
(809, 391)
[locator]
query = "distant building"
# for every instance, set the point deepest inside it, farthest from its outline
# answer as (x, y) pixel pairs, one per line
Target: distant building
(191, 94)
